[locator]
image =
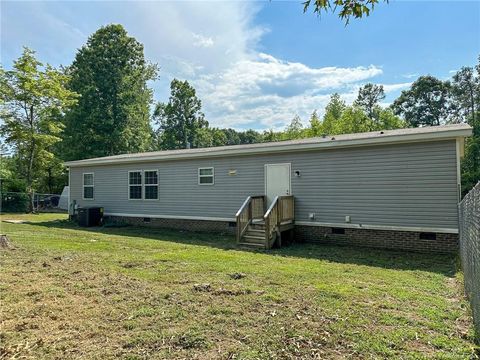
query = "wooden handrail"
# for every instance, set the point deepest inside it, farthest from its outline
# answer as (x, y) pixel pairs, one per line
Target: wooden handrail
(280, 210)
(245, 204)
(247, 212)
(272, 205)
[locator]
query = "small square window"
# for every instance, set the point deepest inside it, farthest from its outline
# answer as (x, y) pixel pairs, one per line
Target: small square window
(151, 177)
(87, 179)
(135, 192)
(151, 192)
(88, 192)
(206, 176)
(135, 178)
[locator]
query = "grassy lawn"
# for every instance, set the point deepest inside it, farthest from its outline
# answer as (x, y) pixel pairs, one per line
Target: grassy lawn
(135, 293)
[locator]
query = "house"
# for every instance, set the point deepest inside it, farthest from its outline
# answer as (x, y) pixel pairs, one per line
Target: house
(394, 189)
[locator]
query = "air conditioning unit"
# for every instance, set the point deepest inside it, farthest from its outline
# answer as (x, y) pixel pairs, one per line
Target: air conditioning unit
(90, 216)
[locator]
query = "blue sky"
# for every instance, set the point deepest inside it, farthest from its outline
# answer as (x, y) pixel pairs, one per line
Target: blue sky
(257, 64)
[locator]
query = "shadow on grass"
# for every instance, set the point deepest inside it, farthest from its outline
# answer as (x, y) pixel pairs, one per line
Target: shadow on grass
(388, 259)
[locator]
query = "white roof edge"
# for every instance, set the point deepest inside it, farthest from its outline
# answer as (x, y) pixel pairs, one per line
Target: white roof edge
(336, 141)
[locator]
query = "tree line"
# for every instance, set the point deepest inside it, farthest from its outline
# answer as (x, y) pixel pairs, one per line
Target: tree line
(102, 105)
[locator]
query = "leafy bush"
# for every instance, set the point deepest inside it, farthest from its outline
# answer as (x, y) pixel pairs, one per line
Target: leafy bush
(14, 202)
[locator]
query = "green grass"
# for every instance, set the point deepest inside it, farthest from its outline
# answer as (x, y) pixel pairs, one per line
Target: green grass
(135, 293)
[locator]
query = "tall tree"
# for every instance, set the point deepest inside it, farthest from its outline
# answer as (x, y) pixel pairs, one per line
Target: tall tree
(368, 99)
(425, 103)
(466, 93)
(315, 125)
(466, 96)
(113, 114)
(294, 130)
(33, 98)
(181, 118)
(333, 113)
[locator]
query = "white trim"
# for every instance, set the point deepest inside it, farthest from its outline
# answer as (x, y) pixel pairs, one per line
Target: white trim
(157, 184)
(376, 138)
(206, 176)
(141, 185)
(83, 185)
(179, 217)
(379, 227)
(265, 166)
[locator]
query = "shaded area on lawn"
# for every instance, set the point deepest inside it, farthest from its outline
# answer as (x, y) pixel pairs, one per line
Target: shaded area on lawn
(389, 259)
(135, 292)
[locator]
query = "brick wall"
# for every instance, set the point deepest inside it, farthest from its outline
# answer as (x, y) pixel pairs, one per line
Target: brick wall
(179, 224)
(384, 239)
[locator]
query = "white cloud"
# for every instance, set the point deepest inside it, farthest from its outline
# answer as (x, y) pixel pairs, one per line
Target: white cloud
(213, 45)
(202, 41)
(411, 75)
(388, 88)
(266, 92)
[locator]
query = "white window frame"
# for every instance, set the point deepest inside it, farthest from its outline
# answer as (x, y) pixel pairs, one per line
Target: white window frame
(145, 184)
(129, 185)
(204, 176)
(92, 186)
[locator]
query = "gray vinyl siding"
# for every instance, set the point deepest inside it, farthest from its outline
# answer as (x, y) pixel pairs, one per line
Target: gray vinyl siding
(408, 185)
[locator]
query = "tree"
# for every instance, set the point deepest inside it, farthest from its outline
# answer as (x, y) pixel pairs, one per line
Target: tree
(425, 103)
(33, 98)
(387, 120)
(333, 113)
(315, 125)
(181, 119)
(466, 96)
(466, 93)
(348, 8)
(353, 120)
(471, 160)
(294, 130)
(250, 137)
(368, 99)
(113, 114)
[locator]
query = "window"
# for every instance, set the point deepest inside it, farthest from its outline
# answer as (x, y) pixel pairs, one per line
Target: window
(151, 184)
(340, 231)
(205, 176)
(88, 184)
(135, 185)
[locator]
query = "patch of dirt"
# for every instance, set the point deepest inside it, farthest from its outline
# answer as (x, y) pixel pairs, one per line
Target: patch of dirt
(237, 276)
(202, 287)
(5, 243)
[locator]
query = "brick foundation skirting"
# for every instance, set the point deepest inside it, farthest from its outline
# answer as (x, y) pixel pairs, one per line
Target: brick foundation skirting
(178, 224)
(383, 239)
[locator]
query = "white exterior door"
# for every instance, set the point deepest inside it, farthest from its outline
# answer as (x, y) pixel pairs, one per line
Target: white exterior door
(277, 181)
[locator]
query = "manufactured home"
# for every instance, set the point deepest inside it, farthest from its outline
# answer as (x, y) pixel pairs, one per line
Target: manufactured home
(394, 189)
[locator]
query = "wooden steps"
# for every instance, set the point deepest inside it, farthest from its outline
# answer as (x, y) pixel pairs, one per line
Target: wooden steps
(254, 237)
(262, 230)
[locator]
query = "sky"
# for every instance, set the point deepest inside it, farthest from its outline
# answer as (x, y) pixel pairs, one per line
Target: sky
(257, 64)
